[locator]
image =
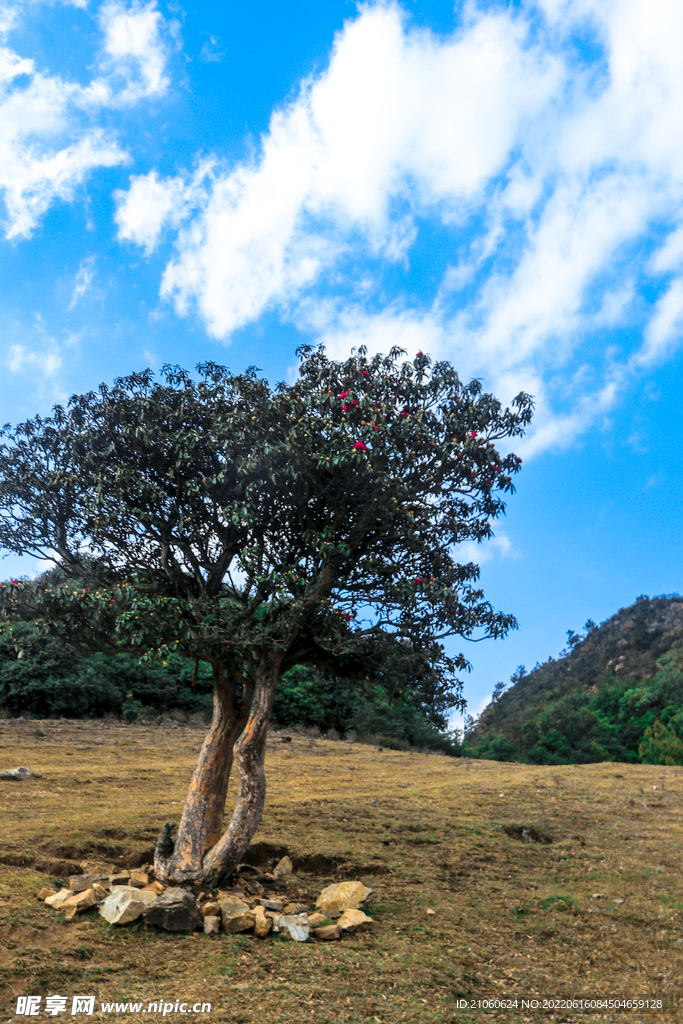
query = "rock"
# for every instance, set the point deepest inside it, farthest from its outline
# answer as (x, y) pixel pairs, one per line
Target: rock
(253, 886)
(155, 887)
(235, 915)
(59, 897)
(342, 896)
(78, 902)
(283, 867)
(137, 883)
(44, 893)
(120, 878)
(355, 921)
(328, 933)
(141, 877)
(95, 867)
(317, 920)
(125, 905)
(271, 905)
(210, 910)
(292, 926)
(175, 910)
(16, 773)
(79, 883)
(143, 895)
(295, 908)
(262, 924)
(212, 925)
(100, 890)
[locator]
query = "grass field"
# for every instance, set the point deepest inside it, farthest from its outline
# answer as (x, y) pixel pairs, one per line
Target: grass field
(513, 920)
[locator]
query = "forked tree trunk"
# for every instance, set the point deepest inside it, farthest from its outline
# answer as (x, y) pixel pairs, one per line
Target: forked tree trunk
(199, 854)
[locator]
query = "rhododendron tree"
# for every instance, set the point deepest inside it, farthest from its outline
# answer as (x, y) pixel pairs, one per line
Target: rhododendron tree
(256, 528)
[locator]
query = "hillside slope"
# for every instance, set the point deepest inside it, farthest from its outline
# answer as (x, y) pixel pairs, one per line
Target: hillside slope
(598, 699)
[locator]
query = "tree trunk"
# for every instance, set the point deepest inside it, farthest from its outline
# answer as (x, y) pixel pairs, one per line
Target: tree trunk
(201, 823)
(200, 855)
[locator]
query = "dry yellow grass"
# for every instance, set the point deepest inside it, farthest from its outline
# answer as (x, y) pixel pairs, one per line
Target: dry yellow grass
(512, 921)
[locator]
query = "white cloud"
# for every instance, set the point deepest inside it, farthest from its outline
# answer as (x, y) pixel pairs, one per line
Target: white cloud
(398, 117)
(48, 361)
(499, 546)
(150, 205)
(49, 138)
(135, 48)
(211, 52)
(547, 173)
(84, 278)
(665, 328)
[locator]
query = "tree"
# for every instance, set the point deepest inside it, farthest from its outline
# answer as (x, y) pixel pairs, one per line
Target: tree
(660, 745)
(255, 529)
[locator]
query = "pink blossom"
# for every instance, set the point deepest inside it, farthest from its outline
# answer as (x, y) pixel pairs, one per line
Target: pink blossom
(343, 394)
(365, 373)
(360, 446)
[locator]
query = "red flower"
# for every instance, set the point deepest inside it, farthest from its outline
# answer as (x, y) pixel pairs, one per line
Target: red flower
(404, 413)
(343, 394)
(419, 579)
(360, 446)
(418, 355)
(346, 408)
(365, 373)
(519, 461)
(473, 434)
(347, 616)
(14, 581)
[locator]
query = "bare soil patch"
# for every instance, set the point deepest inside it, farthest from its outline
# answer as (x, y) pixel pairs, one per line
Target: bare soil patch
(546, 883)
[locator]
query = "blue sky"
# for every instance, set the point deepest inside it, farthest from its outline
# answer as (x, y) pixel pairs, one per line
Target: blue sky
(496, 184)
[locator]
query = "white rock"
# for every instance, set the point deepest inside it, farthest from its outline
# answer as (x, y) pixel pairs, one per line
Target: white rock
(16, 773)
(341, 896)
(125, 904)
(59, 897)
(355, 921)
(235, 915)
(283, 867)
(292, 926)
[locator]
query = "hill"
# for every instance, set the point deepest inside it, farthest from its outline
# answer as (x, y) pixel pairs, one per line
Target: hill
(615, 693)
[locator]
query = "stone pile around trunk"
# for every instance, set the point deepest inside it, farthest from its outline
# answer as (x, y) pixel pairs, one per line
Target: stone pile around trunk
(122, 897)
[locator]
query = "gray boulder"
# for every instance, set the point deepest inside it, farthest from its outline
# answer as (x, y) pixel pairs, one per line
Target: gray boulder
(175, 910)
